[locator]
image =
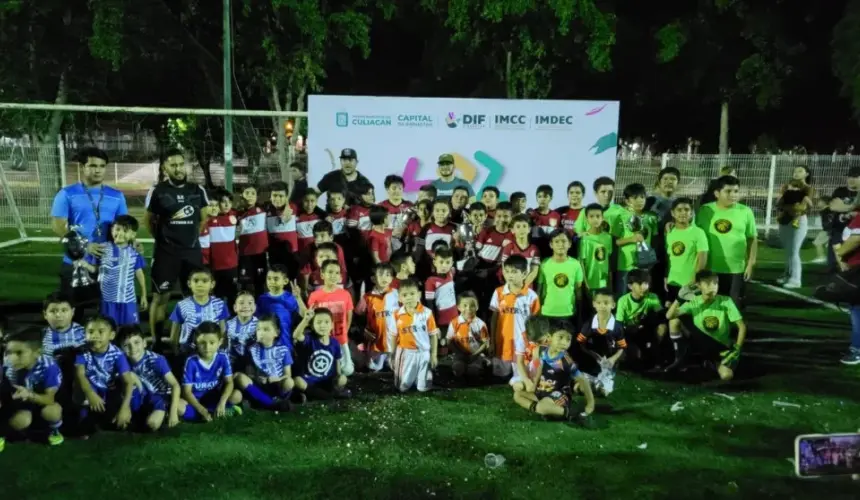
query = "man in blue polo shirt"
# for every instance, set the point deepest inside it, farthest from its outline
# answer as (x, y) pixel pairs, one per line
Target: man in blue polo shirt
(90, 207)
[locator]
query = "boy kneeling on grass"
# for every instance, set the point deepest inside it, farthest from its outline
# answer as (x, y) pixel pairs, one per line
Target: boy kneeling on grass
(555, 375)
(705, 322)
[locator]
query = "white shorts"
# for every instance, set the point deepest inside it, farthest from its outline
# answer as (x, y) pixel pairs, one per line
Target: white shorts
(412, 369)
(603, 381)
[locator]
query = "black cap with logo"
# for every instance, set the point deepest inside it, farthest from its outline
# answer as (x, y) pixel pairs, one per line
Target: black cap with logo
(348, 154)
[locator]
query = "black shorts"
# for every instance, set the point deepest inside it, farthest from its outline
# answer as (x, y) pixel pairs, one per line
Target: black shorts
(559, 397)
(252, 267)
(672, 293)
(707, 347)
(167, 268)
(732, 285)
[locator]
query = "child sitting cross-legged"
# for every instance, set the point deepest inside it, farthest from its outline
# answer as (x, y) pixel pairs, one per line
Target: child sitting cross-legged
(602, 341)
(469, 338)
(318, 368)
(160, 396)
(30, 382)
(207, 380)
(268, 380)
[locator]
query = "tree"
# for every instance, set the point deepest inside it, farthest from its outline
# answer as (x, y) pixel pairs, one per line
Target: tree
(729, 50)
(846, 54)
(285, 45)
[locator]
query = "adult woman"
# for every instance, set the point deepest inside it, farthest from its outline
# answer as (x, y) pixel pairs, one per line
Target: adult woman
(794, 203)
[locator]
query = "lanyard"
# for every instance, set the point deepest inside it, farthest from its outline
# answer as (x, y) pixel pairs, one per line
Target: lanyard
(96, 206)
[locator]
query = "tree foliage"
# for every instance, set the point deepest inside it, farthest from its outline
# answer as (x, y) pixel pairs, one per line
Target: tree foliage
(846, 54)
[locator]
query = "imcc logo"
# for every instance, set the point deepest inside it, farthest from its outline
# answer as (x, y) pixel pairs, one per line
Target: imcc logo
(342, 119)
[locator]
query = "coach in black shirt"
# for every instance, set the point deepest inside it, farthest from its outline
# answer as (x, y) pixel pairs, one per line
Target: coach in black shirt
(174, 211)
(347, 177)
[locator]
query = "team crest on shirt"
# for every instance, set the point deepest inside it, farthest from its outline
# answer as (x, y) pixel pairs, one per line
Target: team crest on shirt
(233, 220)
(678, 248)
(723, 226)
(711, 323)
(183, 213)
(600, 254)
(561, 280)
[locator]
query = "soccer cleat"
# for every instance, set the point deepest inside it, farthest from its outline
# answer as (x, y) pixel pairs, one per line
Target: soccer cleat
(791, 285)
(583, 420)
(55, 438)
(235, 411)
(852, 358)
(283, 405)
(2, 444)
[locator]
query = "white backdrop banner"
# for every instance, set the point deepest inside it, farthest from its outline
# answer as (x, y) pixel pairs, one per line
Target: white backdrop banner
(515, 145)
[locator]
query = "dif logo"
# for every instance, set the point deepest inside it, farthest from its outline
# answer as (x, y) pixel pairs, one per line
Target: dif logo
(467, 121)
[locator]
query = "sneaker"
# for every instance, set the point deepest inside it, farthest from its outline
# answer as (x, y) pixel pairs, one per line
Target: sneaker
(2, 444)
(235, 411)
(55, 438)
(792, 285)
(852, 358)
(283, 405)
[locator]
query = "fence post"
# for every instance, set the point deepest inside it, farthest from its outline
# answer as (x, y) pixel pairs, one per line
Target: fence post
(61, 148)
(115, 173)
(771, 181)
(664, 161)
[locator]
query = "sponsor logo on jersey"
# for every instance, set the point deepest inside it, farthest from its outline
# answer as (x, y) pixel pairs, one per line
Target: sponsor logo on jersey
(183, 213)
(678, 248)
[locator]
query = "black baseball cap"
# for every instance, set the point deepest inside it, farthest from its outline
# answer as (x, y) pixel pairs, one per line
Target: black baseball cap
(349, 154)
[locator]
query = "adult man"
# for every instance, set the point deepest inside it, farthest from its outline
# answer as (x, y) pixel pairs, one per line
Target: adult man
(844, 203)
(447, 181)
(90, 207)
(174, 210)
(347, 178)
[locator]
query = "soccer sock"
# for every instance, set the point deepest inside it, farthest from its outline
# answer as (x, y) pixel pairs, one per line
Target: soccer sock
(679, 343)
(566, 412)
(533, 407)
(55, 426)
(259, 396)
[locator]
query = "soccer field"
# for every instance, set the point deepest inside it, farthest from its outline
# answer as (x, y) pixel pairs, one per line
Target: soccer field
(726, 441)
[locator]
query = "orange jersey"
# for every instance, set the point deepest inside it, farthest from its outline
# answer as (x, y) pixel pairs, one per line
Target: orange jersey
(512, 310)
(469, 335)
(413, 330)
(378, 306)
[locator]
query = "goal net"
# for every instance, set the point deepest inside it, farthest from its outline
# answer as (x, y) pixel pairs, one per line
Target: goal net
(39, 146)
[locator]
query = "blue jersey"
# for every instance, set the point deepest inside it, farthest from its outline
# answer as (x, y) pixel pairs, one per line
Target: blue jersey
(317, 361)
(44, 375)
(283, 306)
(189, 314)
(204, 377)
(117, 268)
(54, 340)
(78, 205)
(239, 335)
(102, 369)
(152, 370)
(555, 372)
(270, 361)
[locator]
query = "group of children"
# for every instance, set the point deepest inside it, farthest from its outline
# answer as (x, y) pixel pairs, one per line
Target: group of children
(295, 300)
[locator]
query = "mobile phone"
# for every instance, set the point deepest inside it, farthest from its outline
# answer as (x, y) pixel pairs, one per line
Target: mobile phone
(821, 455)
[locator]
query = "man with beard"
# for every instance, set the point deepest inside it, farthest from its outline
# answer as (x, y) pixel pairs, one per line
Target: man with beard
(174, 211)
(447, 181)
(90, 207)
(660, 203)
(348, 178)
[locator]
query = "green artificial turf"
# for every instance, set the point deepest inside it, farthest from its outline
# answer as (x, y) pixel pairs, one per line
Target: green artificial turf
(382, 445)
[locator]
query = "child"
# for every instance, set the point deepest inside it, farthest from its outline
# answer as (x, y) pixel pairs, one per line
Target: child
(318, 367)
(490, 199)
(281, 226)
(595, 248)
(553, 379)
(280, 302)
(706, 323)
(269, 379)
(378, 307)
(160, 396)
(241, 329)
(224, 253)
(404, 266)
(337, 213)
(511, 306)
(602, 339)
(98, 369)
(415, 231)
(313, 281)
(323, 233)
(459, 200)
(208, 212)
(641, 313)
(732, 237)
(29, 386)
(339, 303)
(439, 290)
(491, 241)
(415, 339)
(396, 206)
(687, 248)
(560, 279)
(538, 331)
(119, 267)
(192, 311)
(358, 219)
(253, 241)
(440, 228)
(299, 173)
(629, 236)
(61, 334)
(520, 245)
(604, 191)
(570, 213)
(359, 226)
(307, 219)
(427, 192)
(519, 203)
(207, 379)
(469, 337)
(379, 237)
(544, 220)
(477, 216)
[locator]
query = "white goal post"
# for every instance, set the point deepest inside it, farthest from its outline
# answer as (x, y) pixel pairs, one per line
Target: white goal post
(31, 171)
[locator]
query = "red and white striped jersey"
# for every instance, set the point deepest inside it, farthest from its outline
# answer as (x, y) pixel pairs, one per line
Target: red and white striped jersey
(205, 242)
(338, 221)
(490, 243)
(438, 233)
(568, 218)
(544, 224)
(281, 230)
(223, 251)
(359, 218)
(253, 238)
(530, 252)
(398, 213)
(305, 228)
(439, 294)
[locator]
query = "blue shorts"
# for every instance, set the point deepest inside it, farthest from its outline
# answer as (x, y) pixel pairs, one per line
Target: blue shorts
(123, 314)
(209, 400)
(149, 402)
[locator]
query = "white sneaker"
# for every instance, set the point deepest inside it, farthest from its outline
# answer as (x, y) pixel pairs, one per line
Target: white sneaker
(791, 285)
(819, 260)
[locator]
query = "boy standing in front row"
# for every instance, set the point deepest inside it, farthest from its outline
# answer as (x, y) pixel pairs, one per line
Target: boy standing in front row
(416, 338)
(512, 304)
(687, 248)
(469, 337)
(602, 341)
(560, 279)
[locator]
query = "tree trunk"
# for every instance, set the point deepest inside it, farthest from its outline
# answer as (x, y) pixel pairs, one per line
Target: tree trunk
(204, 160)
(47, 153)
(279, 124)
(509, 84)
(297, 123)
(724, 132)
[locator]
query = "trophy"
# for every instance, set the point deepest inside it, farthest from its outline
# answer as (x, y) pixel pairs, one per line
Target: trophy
(466, 234)
(75, 245)
(646, 257)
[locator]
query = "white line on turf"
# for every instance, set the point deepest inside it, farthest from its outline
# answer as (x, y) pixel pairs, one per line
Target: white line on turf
(790, 340)
(798, 296)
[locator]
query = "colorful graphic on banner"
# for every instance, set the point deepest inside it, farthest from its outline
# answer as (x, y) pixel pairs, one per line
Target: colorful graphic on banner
(515, 145)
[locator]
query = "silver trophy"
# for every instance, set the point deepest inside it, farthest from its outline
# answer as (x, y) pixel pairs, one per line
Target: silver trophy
(646, 257)
(75, 246)
(466, 234)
